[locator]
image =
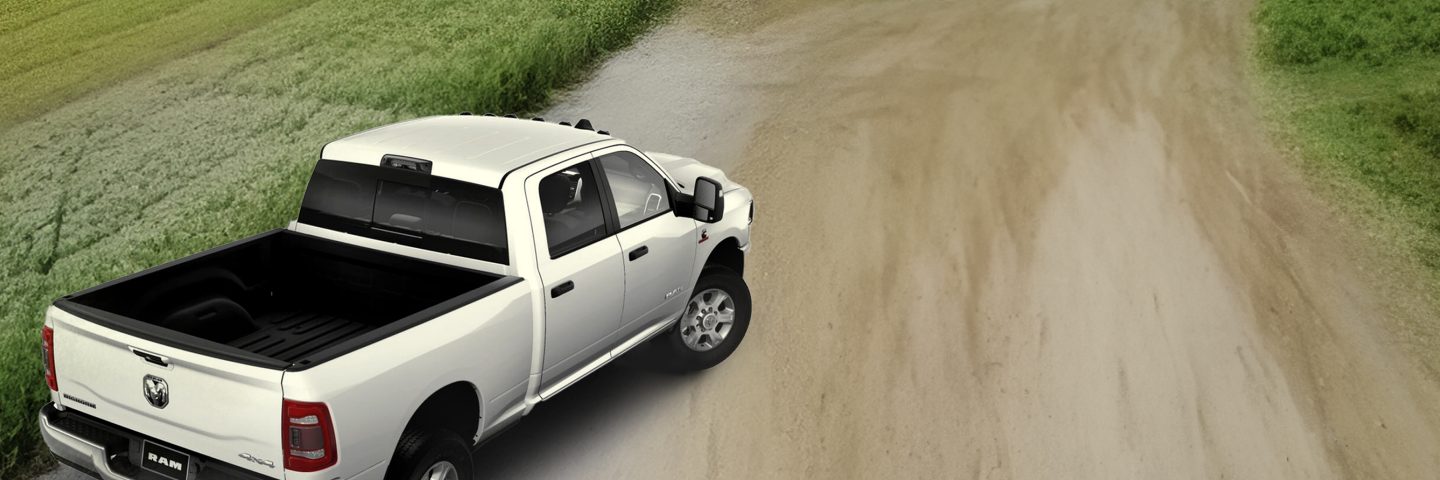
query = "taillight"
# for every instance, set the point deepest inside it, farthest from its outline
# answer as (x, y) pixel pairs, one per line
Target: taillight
(47, 348)
(309, 436)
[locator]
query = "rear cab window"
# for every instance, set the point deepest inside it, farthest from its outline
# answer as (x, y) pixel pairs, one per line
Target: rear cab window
(407, 207)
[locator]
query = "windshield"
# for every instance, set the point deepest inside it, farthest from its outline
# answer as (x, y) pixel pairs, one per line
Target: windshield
(407, 207)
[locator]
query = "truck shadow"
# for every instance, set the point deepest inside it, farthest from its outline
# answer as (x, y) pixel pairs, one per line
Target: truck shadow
(592, 412)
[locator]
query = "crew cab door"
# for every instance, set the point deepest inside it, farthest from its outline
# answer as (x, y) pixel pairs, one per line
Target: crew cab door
(580, 265)
(659, 247)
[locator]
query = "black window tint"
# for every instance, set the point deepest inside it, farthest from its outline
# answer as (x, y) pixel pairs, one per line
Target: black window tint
(573, 213)
(636, 188)
(447, 208)
(407, 207)
(340, 192)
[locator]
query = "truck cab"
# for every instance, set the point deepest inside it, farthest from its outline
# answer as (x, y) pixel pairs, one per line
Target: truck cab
(444, 276)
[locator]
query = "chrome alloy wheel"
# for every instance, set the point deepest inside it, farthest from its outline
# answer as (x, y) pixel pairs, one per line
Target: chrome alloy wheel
(442, 470)
(707, 320)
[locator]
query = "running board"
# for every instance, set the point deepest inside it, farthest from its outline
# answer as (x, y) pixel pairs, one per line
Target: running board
(591, 367)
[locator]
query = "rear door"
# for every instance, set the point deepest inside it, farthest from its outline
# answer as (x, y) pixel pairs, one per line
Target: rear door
(217, 408)
(659, 247)
(579, 263)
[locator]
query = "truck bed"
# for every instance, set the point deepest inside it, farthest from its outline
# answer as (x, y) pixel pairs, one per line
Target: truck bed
(281, 299)
(291, 335)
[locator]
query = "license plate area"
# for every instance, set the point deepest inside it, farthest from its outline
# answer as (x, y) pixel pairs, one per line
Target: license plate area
(165, 461)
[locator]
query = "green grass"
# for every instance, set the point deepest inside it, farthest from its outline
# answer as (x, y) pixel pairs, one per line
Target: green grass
(57, 52)
(1355, 85)
(152, 133)
(1368, 32)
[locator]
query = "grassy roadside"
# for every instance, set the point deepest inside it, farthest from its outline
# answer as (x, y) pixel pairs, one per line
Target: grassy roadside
(57, 51)
(178, 147)
(1355, 87)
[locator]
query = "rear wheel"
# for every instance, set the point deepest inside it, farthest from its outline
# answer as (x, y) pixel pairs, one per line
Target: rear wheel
(712, 325)
(432, 455)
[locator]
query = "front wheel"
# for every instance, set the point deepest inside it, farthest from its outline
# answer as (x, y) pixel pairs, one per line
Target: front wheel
(712, 325)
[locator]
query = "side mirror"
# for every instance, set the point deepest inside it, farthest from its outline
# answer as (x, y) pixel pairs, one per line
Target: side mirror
(709, 203)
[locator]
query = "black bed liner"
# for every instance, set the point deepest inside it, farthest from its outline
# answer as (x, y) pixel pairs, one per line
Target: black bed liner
(290, 336)
(282, 299)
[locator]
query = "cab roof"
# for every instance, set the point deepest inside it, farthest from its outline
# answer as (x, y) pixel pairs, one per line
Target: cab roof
(477, 149)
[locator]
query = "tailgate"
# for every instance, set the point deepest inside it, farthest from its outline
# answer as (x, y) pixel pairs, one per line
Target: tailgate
(214, 407)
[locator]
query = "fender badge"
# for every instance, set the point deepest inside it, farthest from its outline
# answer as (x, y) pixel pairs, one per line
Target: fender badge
(704, 235)
(258, 460)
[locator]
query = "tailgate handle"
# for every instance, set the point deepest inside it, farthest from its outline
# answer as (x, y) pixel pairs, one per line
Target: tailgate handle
(150, 357)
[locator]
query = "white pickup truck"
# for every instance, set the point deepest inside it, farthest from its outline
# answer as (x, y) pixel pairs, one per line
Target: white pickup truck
(444, 276)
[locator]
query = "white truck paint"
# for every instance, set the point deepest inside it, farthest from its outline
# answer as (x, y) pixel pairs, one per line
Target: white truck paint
(509, 349)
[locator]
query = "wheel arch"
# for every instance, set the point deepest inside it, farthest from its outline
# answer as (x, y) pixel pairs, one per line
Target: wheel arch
(454, 407)
(726, 254)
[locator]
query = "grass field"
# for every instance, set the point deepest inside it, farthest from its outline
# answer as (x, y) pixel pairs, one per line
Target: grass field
(56, 51)
(138, 132)
(1355, 87)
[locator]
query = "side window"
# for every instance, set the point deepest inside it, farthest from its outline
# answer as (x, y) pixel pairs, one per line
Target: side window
(573, 213)
(637, 189)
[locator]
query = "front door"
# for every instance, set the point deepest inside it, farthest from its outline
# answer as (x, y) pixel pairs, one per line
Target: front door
(658, 247)
(580, 265)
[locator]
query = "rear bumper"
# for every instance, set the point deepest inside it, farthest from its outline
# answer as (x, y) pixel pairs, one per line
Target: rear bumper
(78, 452)
(104, 451)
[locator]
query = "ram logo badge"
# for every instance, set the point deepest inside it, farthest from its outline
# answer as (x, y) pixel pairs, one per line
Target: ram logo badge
(157, 392)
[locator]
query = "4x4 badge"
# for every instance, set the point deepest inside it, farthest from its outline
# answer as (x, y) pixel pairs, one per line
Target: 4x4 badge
(157, 392)
(258, 460)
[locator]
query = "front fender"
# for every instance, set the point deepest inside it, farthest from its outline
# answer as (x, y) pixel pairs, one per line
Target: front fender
(735, 223)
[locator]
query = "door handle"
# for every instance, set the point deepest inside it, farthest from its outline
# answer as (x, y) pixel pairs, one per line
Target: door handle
(562, 289)
(639, 252)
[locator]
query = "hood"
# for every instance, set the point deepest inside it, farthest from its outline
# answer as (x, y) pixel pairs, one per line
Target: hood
(686, 170)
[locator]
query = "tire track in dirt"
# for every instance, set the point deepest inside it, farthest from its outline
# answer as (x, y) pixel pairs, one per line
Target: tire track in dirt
(996, 239)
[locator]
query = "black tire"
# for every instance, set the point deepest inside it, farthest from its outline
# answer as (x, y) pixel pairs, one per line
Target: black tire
(670, 350)
(419, 450)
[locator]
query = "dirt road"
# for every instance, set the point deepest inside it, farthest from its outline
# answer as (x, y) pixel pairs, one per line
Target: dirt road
(995, 239)
(1000, 239)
